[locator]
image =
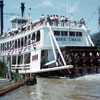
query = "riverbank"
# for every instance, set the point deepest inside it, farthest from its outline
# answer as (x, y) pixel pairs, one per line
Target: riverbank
(4, 83)
(6, 86)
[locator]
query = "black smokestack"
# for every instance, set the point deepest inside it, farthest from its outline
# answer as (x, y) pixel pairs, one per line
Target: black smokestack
(1, 16)
(22, 9)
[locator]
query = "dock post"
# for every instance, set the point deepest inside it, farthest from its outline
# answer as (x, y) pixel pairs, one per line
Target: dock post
(9, 67)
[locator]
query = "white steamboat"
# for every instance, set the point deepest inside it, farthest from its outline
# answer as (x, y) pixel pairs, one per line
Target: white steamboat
(35, 47)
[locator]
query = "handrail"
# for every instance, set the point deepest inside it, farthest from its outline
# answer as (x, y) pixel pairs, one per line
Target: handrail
(70, 23)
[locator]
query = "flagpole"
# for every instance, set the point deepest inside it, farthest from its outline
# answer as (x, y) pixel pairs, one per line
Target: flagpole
(30, 17)
(68, 8)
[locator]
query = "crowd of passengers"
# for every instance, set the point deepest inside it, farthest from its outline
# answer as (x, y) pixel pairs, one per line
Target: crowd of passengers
(51, 19)
(83, 62)
(55, 20)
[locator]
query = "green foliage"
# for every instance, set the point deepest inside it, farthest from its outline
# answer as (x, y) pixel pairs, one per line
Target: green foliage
(96, 39)
(16, 76)
(3, 69)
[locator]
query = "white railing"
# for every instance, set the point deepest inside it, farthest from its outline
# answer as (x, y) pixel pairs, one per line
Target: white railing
(69, 24)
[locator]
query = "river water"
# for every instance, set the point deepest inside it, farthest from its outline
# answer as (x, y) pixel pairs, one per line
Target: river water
(82, 88)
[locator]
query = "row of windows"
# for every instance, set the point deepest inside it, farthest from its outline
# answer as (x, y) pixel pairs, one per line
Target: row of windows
(65, 33)
(24, 41)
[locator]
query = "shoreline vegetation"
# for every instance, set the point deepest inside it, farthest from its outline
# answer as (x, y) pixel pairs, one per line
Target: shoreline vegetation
(96, 39)
(5, 84)
(3, 69)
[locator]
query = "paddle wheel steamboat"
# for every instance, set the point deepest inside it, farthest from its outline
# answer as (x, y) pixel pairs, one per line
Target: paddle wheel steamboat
(50, 47)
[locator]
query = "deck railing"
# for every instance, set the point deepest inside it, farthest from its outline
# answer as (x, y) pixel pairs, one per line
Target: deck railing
(29, 27)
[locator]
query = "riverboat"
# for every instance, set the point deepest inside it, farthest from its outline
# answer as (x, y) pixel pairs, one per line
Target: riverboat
(50, 47)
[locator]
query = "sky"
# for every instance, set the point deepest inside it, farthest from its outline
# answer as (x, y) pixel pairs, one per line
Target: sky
(74, 9)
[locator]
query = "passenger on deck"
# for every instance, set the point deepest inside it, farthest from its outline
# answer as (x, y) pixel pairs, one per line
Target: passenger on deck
(51, 18)
(81, 21)
(54, 19)
(48, 19)
(42, 19)
(66, 21)
(62, 19)
(57, 20)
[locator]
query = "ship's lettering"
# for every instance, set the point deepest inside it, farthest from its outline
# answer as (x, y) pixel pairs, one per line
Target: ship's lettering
(75, 39)
(35, 57)
(68, 39)
(61, 39)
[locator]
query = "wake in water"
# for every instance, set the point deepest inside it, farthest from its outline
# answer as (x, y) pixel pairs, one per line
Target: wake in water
(93, 77)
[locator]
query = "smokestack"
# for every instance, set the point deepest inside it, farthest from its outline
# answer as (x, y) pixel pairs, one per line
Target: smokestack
(22, 9)
(1, 16)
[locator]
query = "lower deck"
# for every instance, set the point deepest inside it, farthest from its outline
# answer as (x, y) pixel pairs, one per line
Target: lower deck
(85, 60)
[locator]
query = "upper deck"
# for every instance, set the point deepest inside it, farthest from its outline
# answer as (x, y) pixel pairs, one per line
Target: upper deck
(22, 27)
(25, 33)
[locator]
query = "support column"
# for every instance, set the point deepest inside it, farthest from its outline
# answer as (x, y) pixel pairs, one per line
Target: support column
(9, 67)
(1, 17)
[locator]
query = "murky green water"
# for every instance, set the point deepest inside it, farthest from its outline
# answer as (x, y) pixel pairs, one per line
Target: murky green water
(83, 88)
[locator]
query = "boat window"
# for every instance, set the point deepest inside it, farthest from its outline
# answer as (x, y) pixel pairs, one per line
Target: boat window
(21, 42)
(27, 58)
(38, 36)
(29, 39)
(57, 33)
(33, 36)
(5, 46)
(25, 43)
(20, 59)
(71, 33)
(64, 33)
(8, 45)
(79, 34)
(15, 43)
(18, 43)
(1, 46)
(12, 45)
(13, 59)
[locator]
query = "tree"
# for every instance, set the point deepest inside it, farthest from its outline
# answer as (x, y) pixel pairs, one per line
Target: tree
(96, 39)
(3, 69)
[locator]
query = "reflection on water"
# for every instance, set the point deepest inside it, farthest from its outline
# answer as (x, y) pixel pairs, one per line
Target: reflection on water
(83, 88)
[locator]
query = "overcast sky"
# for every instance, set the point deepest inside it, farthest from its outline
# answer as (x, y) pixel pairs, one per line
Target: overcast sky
(87, 9)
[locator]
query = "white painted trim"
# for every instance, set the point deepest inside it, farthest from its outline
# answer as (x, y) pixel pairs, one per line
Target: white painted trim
(56, 44)
(53, 69)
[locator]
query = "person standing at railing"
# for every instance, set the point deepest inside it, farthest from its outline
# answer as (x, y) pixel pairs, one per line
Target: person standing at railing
(62, 19)
(66, 21)
(57, 20)
(42, 19)
(51, 18)
(48, 19)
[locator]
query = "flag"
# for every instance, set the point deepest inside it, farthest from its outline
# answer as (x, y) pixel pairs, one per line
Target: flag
(29, 47)
(2, 52)
(34, 45)
(9, 51)
(12, 50)
(15, 50)
(20, 49)
(24, 48)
